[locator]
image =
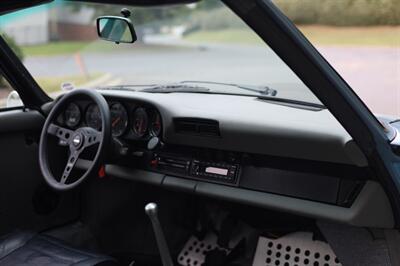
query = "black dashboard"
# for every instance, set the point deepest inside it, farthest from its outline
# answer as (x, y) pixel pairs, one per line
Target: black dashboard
(197, 151)
(136, 123)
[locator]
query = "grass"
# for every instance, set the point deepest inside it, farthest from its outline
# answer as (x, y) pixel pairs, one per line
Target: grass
(66, 48)
(69, 48)
(353, 36)
(319, 35)
(53, 84)
(230, 35)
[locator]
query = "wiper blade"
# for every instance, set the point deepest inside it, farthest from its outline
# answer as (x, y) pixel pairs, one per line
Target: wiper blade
(262, 90)
(169, 88)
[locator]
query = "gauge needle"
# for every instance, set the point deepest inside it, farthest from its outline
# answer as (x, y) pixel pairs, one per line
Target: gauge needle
(115, 122)
(141, 126)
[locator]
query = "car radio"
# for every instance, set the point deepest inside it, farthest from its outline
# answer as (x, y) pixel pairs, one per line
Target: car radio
(220, 172)
(215, 171)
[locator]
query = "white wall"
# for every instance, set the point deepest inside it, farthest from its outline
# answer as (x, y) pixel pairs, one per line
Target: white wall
(30, 30)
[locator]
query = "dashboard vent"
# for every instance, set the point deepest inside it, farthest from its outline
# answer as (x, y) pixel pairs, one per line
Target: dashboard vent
(197, 126)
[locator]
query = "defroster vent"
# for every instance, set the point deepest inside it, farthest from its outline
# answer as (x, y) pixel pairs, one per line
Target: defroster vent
(197, 126)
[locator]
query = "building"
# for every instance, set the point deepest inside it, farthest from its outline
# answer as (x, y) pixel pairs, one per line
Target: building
(43, 24)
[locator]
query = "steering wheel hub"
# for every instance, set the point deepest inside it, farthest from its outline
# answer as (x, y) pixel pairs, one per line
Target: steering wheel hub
(77, 140)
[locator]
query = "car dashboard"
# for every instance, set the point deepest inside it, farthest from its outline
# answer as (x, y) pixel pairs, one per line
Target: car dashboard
(239, 149)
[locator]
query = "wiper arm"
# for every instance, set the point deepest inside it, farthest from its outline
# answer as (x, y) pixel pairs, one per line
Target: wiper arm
(262, 90)
(169, 88)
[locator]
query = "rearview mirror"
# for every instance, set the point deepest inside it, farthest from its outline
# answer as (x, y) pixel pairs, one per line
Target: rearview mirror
(116, 29)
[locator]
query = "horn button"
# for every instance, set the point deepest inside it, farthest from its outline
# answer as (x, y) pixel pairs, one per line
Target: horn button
(77, 140)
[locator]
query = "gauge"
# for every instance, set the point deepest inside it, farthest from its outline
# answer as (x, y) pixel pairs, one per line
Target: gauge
(119, 119)
(93, 117)
(140, 122)
(61, 119)
(155, 124)
(72, 115)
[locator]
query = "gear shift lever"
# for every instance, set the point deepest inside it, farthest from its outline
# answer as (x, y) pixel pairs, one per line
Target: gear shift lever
(151, 210)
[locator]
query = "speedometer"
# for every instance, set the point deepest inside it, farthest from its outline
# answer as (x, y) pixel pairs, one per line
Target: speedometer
(140, 122)
(72, 115)
(93, 117)
(119, 119)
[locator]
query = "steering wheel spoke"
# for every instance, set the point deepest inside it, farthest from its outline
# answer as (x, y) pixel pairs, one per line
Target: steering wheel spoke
(73, 158)
(92, 136)
(62, 133)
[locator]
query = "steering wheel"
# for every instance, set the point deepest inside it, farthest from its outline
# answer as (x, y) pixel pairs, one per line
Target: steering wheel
(77, 140)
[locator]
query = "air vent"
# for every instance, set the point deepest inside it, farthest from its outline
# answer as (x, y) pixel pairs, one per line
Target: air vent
(197, 126)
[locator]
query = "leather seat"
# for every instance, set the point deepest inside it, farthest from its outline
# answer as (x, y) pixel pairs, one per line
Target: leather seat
(26, 248)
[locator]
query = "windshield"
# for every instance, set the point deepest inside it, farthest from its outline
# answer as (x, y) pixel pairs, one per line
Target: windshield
(203, 42)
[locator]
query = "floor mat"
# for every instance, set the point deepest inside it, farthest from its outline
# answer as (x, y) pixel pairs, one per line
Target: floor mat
(294, 249)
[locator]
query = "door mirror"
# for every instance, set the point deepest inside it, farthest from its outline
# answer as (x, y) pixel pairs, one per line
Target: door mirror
(116, 29)
(13, 100)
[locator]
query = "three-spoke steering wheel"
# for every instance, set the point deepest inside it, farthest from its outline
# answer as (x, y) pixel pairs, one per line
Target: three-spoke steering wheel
(77, 140)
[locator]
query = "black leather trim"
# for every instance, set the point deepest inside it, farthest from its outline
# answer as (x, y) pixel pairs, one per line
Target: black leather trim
(26, 248)
(11, 242)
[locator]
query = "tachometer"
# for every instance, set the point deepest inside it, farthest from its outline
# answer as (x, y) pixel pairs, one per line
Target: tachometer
(119, 119)
(140, 122)
(93, 117)
(155, 124)
(72, 115)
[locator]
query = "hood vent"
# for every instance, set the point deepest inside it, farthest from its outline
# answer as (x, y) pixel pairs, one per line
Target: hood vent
(197, 126)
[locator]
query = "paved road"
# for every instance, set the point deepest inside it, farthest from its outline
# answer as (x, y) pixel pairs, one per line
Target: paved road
(374, 73)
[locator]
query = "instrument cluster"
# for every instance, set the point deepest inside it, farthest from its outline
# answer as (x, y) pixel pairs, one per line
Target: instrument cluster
(132, 121)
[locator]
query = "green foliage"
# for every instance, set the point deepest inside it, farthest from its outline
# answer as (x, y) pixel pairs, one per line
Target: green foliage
(209, 4)
(14, 46)
(327, 12)
(215, 19)
(342, 12)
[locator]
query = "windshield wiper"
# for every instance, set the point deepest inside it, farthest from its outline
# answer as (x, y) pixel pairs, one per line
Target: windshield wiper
(169, 88)
(263, 90)
(185, 87)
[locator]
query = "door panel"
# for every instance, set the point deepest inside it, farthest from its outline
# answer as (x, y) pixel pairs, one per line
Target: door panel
(26, 202)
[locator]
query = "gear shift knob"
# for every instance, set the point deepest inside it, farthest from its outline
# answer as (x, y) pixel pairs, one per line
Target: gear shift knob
(151, 210)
